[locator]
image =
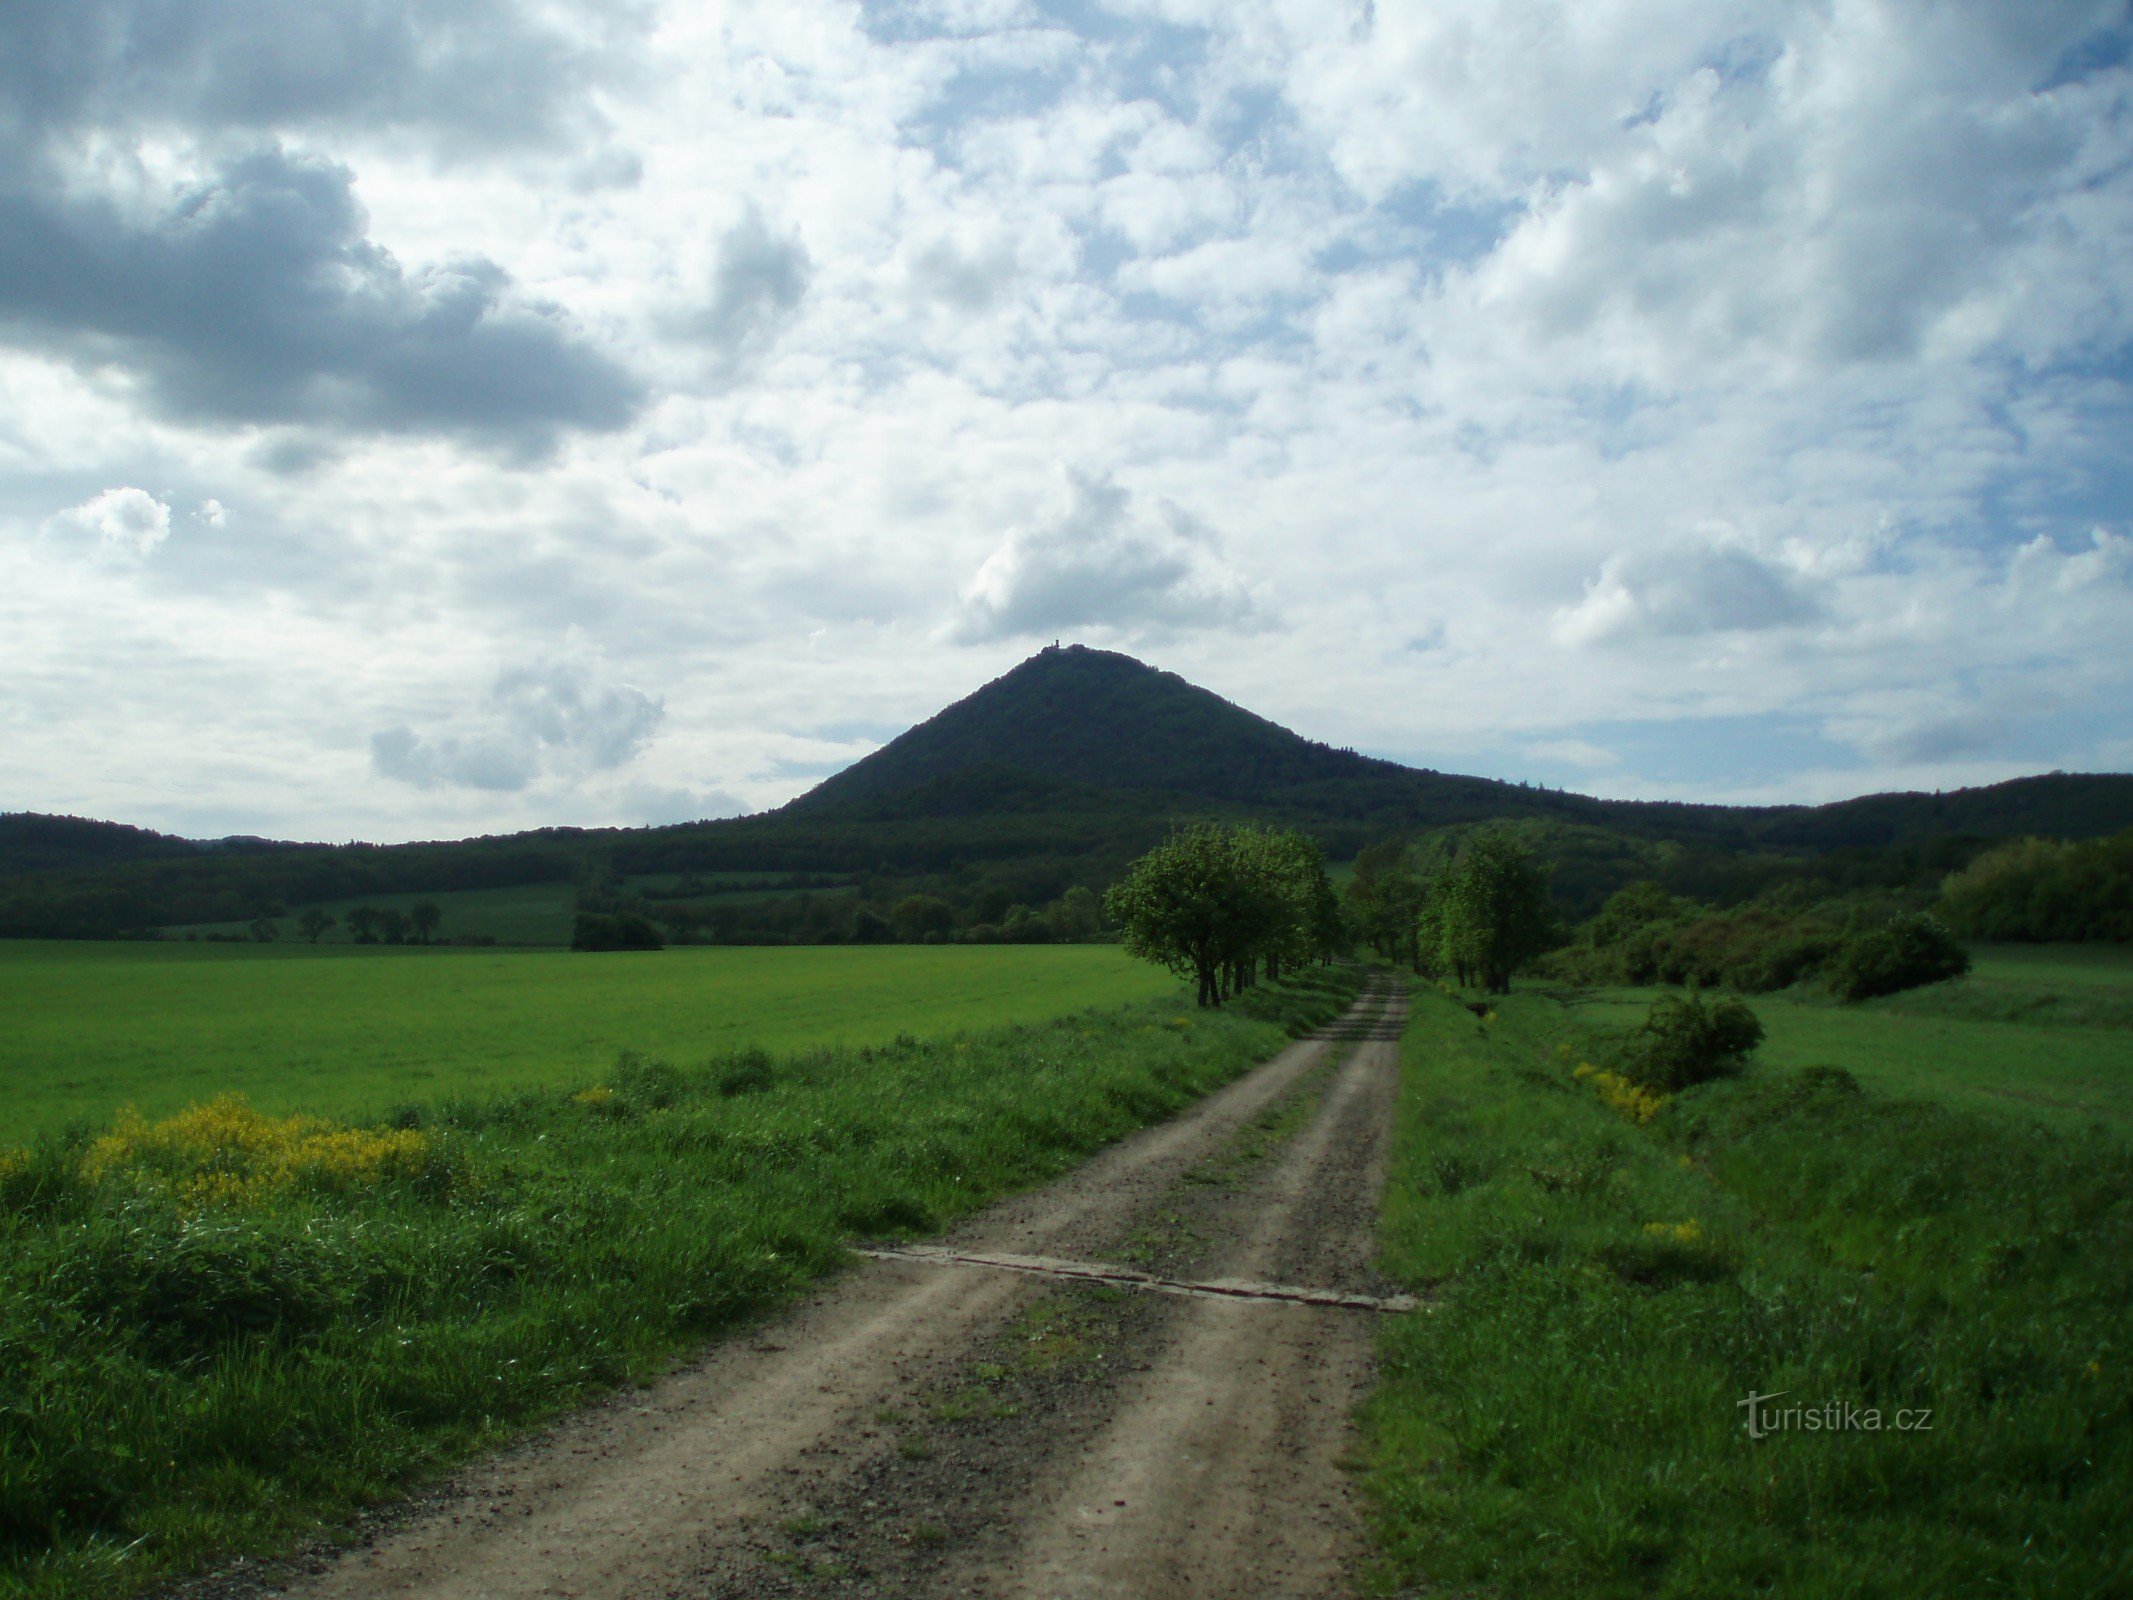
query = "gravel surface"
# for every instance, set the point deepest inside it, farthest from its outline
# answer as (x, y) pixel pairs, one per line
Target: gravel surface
(931, 1428)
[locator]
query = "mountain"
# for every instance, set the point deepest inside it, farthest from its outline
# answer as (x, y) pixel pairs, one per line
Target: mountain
(1072, 725)
(1058, 772)
(1075, 730)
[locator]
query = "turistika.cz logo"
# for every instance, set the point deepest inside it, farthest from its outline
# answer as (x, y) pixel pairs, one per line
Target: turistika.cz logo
(1837, 1416)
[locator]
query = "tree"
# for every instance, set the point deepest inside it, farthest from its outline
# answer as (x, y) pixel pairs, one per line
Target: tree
(312, 922)
(393, 924)
(1298, 868)
(1384, 899)
(1494, 913)
(265, 930)
(1079, 916)
(423, 916)
(626, 930)
(871, 927)
(920, 916)
(363, 923)
(1202, 904)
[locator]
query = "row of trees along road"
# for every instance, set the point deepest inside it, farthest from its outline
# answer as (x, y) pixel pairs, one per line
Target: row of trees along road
(1476, 917)
(1216, 903)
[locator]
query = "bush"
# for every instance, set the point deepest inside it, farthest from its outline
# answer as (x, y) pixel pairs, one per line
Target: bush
(622, 931)
(1683, 1042)
(1905, 952)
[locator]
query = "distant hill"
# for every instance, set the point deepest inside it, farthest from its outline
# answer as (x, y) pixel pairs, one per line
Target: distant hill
(1075, 729)
(33, 842)
(1058, 772)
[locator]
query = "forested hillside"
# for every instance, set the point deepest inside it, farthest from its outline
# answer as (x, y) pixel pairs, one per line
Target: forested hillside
(1057, 774)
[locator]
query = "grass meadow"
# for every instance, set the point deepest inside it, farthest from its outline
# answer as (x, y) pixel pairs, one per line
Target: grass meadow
(355, 1031)
(1859, 1226)
(2045, 1032)
(223, 1330)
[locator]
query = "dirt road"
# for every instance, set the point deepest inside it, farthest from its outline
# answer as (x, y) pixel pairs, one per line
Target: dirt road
(933, 1426)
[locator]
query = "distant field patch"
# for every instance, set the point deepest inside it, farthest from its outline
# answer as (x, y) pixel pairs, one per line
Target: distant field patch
(2038, 1031)
(351, 1031)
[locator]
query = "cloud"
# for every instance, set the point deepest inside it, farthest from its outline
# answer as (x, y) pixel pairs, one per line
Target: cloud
(1574, 753)
(558, 719)
(479, 72)
(258, 298)
(1683, 591)
(757, 286)
(1097, 565)
(126, 522)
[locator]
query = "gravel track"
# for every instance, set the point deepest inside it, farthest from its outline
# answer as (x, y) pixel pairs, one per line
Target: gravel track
(926, 1428)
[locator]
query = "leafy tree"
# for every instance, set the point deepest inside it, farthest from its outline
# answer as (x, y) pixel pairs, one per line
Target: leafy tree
(1495, 914)
(363, 923)
(1330, 933)
(1079, 916)
(920, 916)
(1297, 867)
(2045, 889)
(593, 930)
(312, 922)
(1384, 898)
(1024, 926)
(1203, 904)
(265, 930)
(393, 924)
(423, 916)
(871, 927)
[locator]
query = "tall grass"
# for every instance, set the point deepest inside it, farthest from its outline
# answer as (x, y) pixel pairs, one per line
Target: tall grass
(1567, 1419)
(223, 1330)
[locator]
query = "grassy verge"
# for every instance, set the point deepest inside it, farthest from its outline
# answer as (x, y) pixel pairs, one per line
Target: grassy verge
(1568, 1418)
(222, 1332)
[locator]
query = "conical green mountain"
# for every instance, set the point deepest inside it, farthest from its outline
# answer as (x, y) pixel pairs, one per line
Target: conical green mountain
(1072, 725)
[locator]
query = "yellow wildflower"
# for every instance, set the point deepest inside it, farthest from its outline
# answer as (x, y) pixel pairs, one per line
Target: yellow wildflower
(1689, 1232)
(225, 1153)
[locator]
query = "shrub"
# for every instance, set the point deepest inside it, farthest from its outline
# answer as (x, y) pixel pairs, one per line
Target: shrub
(1905, 952)
(622, 931)
(1683, 1041)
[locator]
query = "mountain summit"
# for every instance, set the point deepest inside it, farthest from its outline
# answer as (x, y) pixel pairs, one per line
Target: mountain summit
(1074, 721)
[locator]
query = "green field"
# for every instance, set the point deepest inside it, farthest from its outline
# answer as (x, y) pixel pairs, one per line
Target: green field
(353, 1031)
(225, 1332)
(2045, 1032)
(1900, 1250)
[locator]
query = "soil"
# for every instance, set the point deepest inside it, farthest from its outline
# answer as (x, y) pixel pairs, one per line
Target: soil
(929, 1426)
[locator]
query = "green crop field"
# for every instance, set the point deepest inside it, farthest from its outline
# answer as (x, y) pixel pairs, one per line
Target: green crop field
(352, 1031)
(2045, 1032)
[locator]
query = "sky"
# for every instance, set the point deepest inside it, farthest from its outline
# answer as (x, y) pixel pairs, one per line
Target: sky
(421, 418)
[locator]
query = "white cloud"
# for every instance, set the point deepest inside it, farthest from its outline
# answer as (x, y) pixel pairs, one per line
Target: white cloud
(1685, 589)
(1095, 565)
(555, 718)
(1659, 360)
(124, 522)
